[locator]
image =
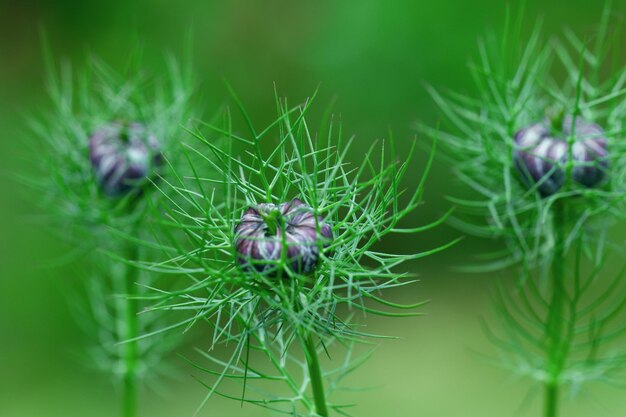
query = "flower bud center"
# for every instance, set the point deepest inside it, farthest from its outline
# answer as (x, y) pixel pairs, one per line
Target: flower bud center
(556, 116)
(124, 134)
(274, 221)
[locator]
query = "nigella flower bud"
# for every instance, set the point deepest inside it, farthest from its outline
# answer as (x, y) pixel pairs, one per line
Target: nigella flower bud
(540, 154)
(261, 232)
(123, 156)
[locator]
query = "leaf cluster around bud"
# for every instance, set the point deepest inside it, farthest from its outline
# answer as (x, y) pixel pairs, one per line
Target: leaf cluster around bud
(72, 205)
(558, 321)
(515, 88)
(82, 103)
(261, 315)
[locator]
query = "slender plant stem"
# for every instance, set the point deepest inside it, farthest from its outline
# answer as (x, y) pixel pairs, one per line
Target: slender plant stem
(554, 330)
(552, 400)
(130, 347)
(315, 374)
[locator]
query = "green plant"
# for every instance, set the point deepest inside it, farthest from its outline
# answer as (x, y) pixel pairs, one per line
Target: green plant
(283, 283)
(554, 203)
(96, 153)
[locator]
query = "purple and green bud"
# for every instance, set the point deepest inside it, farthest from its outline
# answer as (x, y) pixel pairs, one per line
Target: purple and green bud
(267, 232)
(542, 152)
(124, 156)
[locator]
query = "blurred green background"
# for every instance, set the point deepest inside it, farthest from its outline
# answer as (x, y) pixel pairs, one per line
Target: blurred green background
(374, 56)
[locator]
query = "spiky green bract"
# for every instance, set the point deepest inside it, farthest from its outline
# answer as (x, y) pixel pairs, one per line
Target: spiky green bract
(287, 317)
(558, 322)
(73, 205)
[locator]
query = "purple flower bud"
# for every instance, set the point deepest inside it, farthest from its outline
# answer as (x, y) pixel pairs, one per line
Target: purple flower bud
(259, 237)
(123, 156)
(540, 154)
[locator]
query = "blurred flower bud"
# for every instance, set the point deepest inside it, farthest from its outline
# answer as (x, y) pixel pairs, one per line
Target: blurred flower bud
(123, 156)
(541, 154)
(260, 234)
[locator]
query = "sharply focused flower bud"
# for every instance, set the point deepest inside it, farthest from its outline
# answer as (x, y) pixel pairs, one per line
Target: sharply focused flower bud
(541, 154)
(260, 234)
(123, 156)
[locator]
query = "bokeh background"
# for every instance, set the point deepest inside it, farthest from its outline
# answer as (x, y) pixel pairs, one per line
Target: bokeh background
(373, 57)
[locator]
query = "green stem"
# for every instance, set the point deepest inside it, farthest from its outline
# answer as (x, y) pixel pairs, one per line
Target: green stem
(554, 330)
(552, 400)
(315, 374)
(130, 347)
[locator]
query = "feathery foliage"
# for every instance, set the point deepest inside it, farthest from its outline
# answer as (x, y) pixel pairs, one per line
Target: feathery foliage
(72, 201)
(262, 317)
(560, 321)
